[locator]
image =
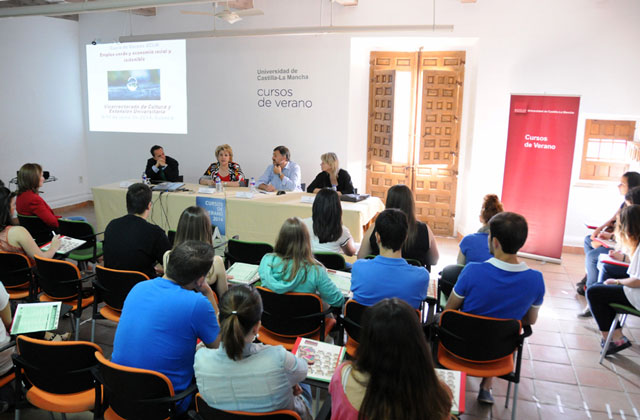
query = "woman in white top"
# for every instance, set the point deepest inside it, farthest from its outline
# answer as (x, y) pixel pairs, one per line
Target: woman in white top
(242, 375)
(623, 291)
(328, 234)
(194, 224)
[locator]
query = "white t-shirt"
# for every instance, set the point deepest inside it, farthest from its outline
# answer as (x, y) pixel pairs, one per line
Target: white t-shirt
(633, 293)
(5, 357)
(335, 246)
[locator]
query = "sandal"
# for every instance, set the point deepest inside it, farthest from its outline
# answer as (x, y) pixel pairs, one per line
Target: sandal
(49, 336)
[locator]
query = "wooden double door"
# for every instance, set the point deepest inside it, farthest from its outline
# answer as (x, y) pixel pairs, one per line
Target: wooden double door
(415, 102)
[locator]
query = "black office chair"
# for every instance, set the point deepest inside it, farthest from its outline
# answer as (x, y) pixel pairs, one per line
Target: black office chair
(331, 260)
(245, 252)
(91, 250)
(38, 229)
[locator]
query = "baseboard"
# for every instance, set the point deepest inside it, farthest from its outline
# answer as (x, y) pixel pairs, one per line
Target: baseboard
(566, 249)
(72, 207)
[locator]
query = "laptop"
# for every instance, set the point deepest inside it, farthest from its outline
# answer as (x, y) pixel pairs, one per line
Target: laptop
(354, 198)
(168, 186)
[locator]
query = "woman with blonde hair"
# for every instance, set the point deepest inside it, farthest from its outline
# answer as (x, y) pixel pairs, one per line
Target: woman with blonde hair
(622, 291)
(242, 375)
(228, 171)
(332, 176)
(194, 224)
(475, 247)
(292, 268)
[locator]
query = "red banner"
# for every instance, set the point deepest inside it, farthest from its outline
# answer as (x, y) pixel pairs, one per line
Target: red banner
(537, 171)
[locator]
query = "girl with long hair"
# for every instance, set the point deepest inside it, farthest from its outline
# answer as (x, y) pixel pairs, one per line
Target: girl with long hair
(393, 376)
(194, 224)
(17, 238)
(327, 232)
(292, 268)
(475, 247)
(420, 243)
(247, 376)
(623, 291)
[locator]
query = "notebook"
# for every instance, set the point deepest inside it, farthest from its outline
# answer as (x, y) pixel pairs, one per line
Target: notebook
(243, 273)
(32, 317)
(67, 244)
(455, 380)
(342, 280)
(322, 358)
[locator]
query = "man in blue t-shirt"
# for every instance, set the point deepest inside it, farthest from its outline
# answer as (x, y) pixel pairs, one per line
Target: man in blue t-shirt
(163, 318)
(501, 287)
(389, 275)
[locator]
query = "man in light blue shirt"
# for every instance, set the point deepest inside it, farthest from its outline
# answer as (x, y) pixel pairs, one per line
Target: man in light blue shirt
(282, 175)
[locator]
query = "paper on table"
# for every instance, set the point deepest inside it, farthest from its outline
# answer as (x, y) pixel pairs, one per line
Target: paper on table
(243, 273)
(32, 317)
(206, 190)
(307, 199)
(244, 194)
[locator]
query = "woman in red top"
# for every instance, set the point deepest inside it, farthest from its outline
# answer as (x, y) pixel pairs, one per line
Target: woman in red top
(225, 168)
(29, 202)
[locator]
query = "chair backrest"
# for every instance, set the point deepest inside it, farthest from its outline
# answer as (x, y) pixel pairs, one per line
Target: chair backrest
(353, 312)
(126, 389)
(210, 413)
(38, 229)
(291, 314)
(171, 235)
(58, 367)
(51, 275)
(78, 229)
(114, 285)
(449, 277)
(331, 260)
(413, 261)
(15, 270)
(247, 252)
(478, 338)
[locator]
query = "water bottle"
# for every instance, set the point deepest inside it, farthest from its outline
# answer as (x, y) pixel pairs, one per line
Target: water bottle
(144, 178)
(252, 184)
(218, 185)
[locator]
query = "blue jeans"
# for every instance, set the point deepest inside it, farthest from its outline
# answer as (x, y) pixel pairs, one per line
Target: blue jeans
(306, 394)
(591, 260)
(610, 271)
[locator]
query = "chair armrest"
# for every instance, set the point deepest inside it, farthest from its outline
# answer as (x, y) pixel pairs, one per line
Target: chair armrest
(10, 344)
(193, 415)
(526, 331)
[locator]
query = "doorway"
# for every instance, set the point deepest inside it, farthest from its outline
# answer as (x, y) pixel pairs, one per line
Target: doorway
(415, 104)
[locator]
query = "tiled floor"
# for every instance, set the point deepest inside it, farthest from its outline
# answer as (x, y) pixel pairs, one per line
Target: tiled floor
(561, 376)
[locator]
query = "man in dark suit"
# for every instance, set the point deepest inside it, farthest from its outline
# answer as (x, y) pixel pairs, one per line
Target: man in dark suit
(161, 167)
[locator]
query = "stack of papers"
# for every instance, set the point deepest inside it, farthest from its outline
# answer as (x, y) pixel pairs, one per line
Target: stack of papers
(243, 273)
(32, 317)
(67, 244)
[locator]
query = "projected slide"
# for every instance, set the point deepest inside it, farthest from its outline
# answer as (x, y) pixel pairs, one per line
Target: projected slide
(137, 87)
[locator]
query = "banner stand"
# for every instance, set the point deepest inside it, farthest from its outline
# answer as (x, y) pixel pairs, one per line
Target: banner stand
(540, 258)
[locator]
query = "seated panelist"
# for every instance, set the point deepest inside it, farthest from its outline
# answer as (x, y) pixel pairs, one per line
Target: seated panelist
(225, 168)
(282, 175)
(161, 167)
(331, 176)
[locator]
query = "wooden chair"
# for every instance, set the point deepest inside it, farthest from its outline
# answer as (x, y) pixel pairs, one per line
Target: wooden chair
(61, 281)
(60, 372)
(482, 346)
(112, 287)
(205, 412)
(131, 393)
(291, 315)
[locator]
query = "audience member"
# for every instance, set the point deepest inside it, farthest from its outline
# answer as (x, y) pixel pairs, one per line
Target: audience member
(592, 249)
(228, 171)
(132, 243)
(282, 175)
(17, 238)
(292, 268)
(332, 176)
(501, 287)
(328, 234)
(245, 376)
(163, 318)
(195, 225)
(392, 376)
(161, 167)
(388, 274)
(622, 291)
(475, 247)
(29, 202)
(420, 244)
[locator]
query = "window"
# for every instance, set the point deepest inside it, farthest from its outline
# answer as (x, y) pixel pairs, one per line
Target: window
(606, 150)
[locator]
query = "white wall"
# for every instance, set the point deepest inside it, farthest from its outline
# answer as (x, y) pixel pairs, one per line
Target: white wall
(573, 47)
(40, 105)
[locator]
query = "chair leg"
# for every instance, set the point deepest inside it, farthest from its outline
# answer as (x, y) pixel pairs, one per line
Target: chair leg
(506, 399)
(52, 416)
(77, 327)
(17, 415)
(93, 329)
(623, 319)
(614, 325)
(515, 401)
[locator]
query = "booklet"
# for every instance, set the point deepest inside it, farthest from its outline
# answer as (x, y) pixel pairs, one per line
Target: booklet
(342, 280)
(243, 273)
(67, 244)
(322, 358)
(455, 380)
(32, 317)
